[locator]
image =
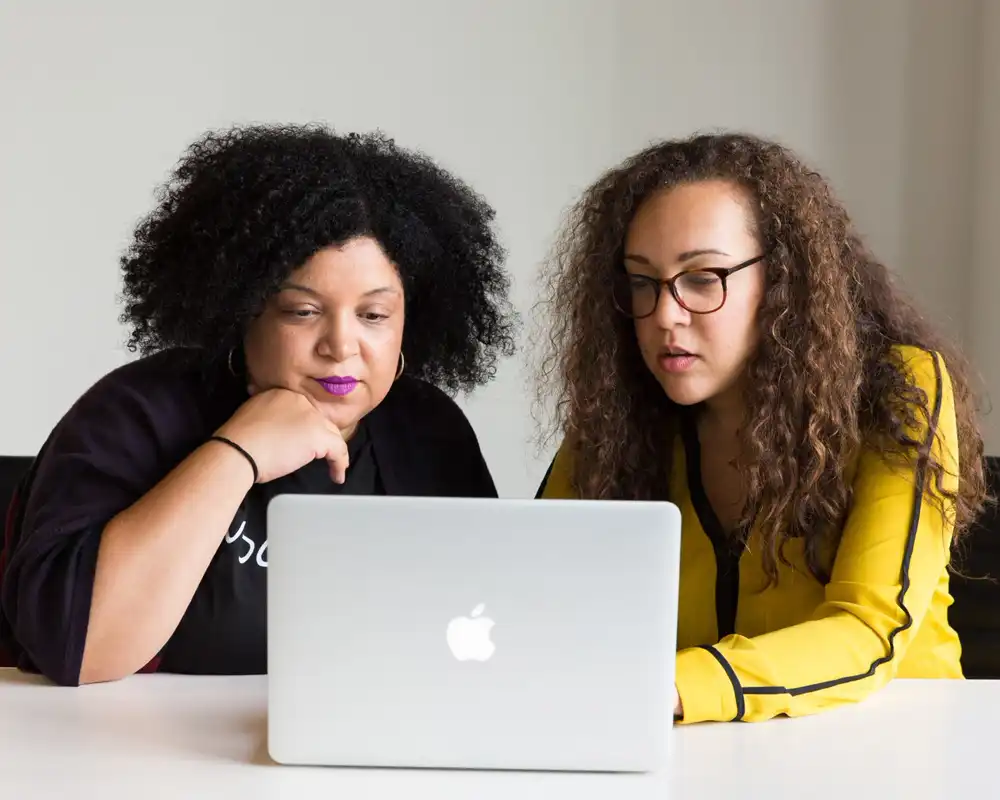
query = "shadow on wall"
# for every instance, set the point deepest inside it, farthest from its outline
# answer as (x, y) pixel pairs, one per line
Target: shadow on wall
(903, 93)
(939, 155)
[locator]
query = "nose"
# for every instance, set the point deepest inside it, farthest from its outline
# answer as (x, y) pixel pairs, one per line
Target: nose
(339, 340)
(669, 313)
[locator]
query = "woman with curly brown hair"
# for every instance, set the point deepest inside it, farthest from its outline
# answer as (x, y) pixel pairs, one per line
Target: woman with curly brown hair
(724, 340)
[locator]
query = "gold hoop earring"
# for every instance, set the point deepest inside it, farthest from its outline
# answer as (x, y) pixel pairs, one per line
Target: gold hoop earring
(402, 364)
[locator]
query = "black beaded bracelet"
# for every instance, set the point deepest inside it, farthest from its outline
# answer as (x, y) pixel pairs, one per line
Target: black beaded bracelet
(246, 455)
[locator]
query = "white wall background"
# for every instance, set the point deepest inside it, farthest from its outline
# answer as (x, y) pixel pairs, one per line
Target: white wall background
(984, 300)
(896, 100)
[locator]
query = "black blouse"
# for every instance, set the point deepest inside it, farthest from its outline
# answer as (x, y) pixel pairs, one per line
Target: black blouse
(123, 436)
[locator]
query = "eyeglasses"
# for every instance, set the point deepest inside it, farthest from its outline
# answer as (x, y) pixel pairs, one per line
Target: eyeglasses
(700, 291)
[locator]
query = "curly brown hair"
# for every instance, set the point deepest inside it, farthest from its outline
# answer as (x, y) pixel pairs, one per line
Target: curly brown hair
(824, 380)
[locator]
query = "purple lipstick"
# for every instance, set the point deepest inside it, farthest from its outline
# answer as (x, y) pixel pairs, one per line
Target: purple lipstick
(338, 385)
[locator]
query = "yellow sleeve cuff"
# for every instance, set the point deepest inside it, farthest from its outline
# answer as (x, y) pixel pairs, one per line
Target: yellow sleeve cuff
(707, 692)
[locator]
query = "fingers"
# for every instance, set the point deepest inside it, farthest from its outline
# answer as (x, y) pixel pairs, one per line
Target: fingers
(338, 458)
(336, 453)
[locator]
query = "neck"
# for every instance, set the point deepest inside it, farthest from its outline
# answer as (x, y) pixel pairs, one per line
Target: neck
(723, 416)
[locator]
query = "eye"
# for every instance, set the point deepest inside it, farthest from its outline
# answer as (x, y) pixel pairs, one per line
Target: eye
(701, 278)
(301, 313)
(639, 281)
(373, 316)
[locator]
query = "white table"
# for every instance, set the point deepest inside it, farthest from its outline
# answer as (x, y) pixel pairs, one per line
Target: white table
(155, 736)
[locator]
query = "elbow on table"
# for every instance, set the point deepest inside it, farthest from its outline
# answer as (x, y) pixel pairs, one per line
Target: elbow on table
(35, 649)
(106, 662)
(101, 673)
(33, 660)
(54, 661)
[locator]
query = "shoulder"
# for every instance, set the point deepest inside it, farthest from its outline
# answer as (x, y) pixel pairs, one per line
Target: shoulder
(159, 374)
(557, 482)
(425, 405)
(926, 369)
(145, 412)
(931, 419)
(155, 372)
(116, 441)
(166, 388)
(426, 440)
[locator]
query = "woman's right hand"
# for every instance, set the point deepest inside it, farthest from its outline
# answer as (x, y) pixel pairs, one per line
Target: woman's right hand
(283, 431)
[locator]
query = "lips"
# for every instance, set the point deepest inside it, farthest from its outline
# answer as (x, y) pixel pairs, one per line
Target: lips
(338, 385)
(676, 360)
(668, 352)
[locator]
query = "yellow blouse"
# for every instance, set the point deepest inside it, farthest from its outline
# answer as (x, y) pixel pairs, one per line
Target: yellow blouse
(751, 652)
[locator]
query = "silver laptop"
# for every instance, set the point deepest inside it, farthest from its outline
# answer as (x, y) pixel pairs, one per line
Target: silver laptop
(471, 634)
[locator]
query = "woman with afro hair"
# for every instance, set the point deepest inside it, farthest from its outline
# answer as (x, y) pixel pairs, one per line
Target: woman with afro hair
(304, 304)
(724, 340)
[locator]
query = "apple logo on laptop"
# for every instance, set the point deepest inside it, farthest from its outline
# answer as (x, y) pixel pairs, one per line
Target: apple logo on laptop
(469, 637)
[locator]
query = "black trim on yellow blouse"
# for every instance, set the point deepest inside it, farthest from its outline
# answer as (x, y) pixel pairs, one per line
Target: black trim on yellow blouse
(726, 547)
(731, 673)
(904, 578)
(545, 480)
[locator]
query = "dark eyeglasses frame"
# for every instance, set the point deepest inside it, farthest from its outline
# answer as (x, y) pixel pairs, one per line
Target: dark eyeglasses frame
(721, 272)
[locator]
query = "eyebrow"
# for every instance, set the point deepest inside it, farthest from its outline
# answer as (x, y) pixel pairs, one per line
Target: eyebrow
(300, 288)
(687, 255)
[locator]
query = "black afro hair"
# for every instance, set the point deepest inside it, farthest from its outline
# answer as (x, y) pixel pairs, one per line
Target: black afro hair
(246, 206)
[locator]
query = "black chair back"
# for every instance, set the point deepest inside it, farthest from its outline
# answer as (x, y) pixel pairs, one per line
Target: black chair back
(12, 469)
(975, 585)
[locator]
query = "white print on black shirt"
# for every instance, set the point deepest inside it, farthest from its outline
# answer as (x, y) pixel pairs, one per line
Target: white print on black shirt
(250, 545)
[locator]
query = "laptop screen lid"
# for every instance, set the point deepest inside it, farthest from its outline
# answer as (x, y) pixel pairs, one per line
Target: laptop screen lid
(471, 633)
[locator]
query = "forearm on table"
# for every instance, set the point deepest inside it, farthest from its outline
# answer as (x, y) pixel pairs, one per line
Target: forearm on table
(153, 555)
